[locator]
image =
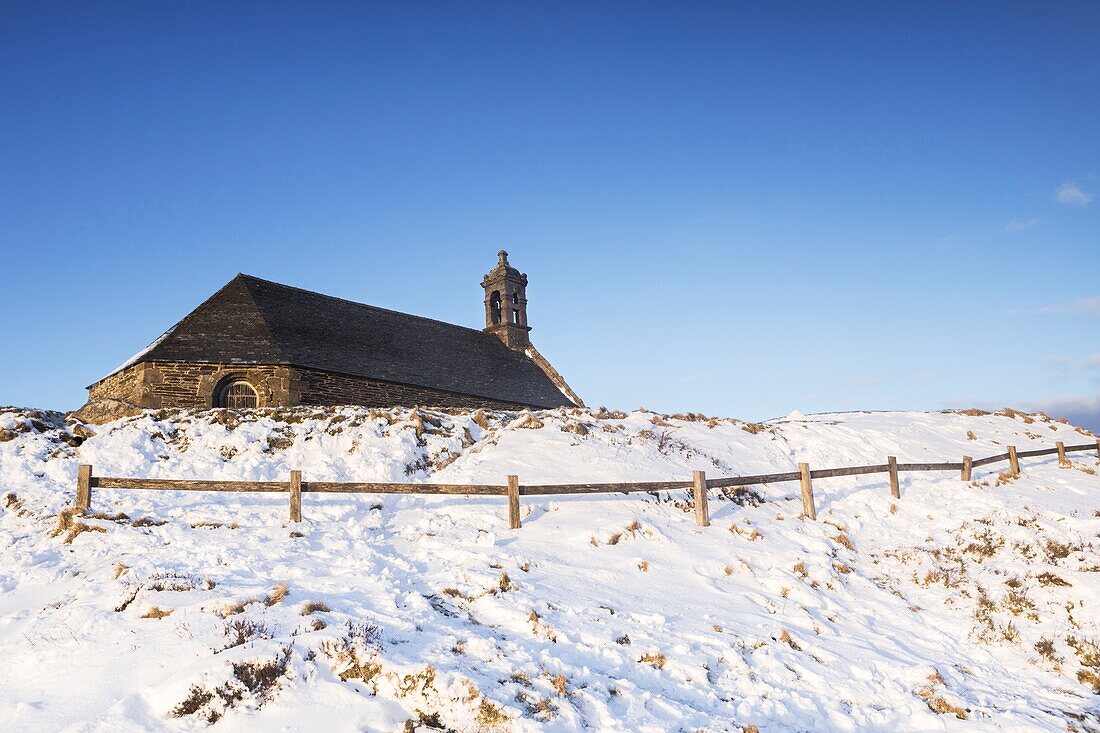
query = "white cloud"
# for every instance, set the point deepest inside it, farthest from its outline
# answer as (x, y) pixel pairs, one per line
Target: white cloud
(1082, 411)
(1020, 225)
(1082, 307)
(1070, 194)
(1064, 365)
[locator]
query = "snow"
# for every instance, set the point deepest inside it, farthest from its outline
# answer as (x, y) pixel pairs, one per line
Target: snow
(603, 612)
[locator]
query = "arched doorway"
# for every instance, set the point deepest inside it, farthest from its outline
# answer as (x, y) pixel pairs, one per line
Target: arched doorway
(237, 394)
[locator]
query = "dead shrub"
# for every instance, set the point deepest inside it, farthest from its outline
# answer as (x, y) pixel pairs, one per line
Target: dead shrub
(1059, 550)
(261, 679)
(197, 698)
(1045, 647)
(258, 680)
(242, 631)
(176, 582)
(354, 652)
(490, 715)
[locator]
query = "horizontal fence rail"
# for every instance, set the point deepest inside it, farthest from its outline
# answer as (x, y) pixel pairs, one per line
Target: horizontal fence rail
(512, 489)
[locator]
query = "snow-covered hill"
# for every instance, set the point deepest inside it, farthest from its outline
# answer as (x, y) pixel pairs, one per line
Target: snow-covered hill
(959, 606)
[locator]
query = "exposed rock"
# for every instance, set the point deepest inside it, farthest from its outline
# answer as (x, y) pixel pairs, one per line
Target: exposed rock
(97, 412)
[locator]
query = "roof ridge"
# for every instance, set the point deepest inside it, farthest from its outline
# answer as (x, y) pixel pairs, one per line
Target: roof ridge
(326, 296)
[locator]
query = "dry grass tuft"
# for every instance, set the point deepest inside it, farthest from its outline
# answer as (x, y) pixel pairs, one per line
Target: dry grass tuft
(490, 715)
(935, 702)
(278, 593)
(970, 435)
(505, 583)
(644, 566)
(529, 422)
(800, 568)
(787, 639)
(71, 527)
(654, 659)
(310, 607)
(575, 427)
(844, 541)
(213, 525)
(157, 612)
(480, 419)
(120, 570)
(560, 685)
(940, 706)
(752, 535)
(1050, 579)
(614, 539)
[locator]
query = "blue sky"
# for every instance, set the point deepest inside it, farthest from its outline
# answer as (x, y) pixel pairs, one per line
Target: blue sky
(735, 208)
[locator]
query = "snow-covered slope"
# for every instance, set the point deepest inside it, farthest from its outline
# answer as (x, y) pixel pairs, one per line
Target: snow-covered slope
(959, 606)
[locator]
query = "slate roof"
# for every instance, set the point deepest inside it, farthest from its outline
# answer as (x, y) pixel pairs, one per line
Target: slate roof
(254, 321)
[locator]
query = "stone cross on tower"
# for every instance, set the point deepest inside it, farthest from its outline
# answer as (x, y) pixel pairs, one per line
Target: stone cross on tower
(506, 304)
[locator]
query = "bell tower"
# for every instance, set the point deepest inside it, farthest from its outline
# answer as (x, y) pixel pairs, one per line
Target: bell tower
(506, 304)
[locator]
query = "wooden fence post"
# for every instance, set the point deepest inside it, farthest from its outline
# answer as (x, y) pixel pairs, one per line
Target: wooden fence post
(513, 502)
(699, 489)
(1098, 447)
(1061, 453)
(1013, 460)
(808, 508)
(83, 487)
(295, 496)
(968, 467)
(895, 488)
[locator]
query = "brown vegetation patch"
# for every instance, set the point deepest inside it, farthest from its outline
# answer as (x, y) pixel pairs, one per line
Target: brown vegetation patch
(71, 527)
(157, 612)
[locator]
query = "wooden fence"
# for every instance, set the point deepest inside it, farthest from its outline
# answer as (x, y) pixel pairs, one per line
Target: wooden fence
(699, 483)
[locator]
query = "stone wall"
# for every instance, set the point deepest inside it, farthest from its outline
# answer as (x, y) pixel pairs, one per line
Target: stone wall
(326, 388)
(163, 384)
